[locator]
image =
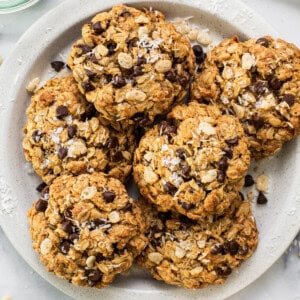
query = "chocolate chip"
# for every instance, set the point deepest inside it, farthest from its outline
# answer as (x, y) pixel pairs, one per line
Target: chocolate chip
(45, 193)
(132, 43)
(186, 205)
(127, 207)
(108, 196)
(94, 275)
(67, 226)
(74, 236)
(138, 134)
(111, 48)
(261, 198)
(98, 29)
(84, 48)
(263, 41)
(58, 65)
(182, 80)
(65, 246)
(181, 153)
(231, 247)
(68, 212)
(224, 270)
(171, 76)
(87, 86)
(37, 135)
(118, 81)
(258, 122)
(93, 59)
(96, 222)
(72, 129)
(61, 112)
(217, 249)
(242, 196)
(289, 99)
(112, 142)
(170, 188)
(41, 186)
(125, 12)
(228, 152)
(223, 163)
(138, 71)
(164, 216)
(233, 142)
(260, 87)
(62, 152)
(243, 250)
(185, 170)
(221, 176)
(275, 83)
(141, 60)
(200, 59)
(89, 113)
(117, 156)
(41, 205)
(155, 242)
(248, 180)
(99, 257)
(167, 129)
(198, 50)
(90, 74)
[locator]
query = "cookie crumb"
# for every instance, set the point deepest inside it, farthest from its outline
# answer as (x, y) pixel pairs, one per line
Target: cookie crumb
(32, 85)
(6, 297)
(1, 60)
(250, 196)
(262, 183)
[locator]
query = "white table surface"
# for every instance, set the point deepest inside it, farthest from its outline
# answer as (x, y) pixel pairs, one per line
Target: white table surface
(281, 281)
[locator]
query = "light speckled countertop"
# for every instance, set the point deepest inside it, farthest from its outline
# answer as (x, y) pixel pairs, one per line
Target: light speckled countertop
(281, 281)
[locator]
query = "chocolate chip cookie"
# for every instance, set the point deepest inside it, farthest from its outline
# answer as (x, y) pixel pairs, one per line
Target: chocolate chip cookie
(195, 254)
(132, 65)
(194, 162)
(88, 230)
(63, 135)
(259, 82)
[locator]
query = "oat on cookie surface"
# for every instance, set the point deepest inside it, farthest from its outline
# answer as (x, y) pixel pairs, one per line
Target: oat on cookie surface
(88, 231)
(132, 65)
(194, 162)
(63, 135)
(195, 254)
(259, 82)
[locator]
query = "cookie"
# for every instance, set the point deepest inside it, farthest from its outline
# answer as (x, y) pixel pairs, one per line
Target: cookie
(194, 162)
(63, 135)
(196, 254)
(88, 230)
(132, 65)
(259, 82)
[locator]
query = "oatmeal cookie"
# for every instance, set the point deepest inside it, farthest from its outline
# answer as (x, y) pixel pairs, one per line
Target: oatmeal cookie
(63, 135)
(88, 231)
(196, 254)
(194, 162)
(132, 65)
(259, 82)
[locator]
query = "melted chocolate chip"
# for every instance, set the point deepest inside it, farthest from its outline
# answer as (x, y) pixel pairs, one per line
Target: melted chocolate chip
(223, 163)
(125, 12)
(186, 205)
(108, 196)
(61, 112)
(248, 180)
(182, 80)
(181, 153)
(41, 205)
(84, 48)
(93, 59)
(37, 135)
(65, 246)
(118, 81)
(258, 122)
(97, 27)
(67, 226)
(261, 198)
(231, 247)
(74, 236)
(90, 74)
(58, 65)
(200, 59)
(41, 186)
(62, 152)
(87, 86)
(45, 193)
(117, 156)
(171, 76)
(198, 50)
(243, 250)
(233, 142)
(170, 188)
(275, 83)
(289, 99)
(263, 41)
(224, 270)
(68, 212)
(228, 152)
(260, 87)
(88, 114)
(141, 60)
(127, 207)
(140, 119)
(94, 275)
(164, 216)
(167, 129)
(185, 170)
(111, 48)
(138, 71)
(72, 129)
(221, 176)
(112, 142)
(217, 249)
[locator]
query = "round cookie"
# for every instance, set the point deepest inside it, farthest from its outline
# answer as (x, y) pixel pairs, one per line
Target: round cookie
(88, 231)
(196, 254)
(132, 65)
(63, 135)
(194, 162)
(259, 82)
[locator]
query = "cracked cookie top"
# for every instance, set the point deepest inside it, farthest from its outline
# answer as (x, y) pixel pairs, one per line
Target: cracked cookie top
(132, 65)
(195, 254)
(63, 135)
(88, 230)
(194, 162)
(259, 82)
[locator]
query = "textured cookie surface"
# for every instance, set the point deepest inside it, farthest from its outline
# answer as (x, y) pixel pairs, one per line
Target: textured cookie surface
(132, 64)
(196, 254)
(194, 162)
(63, 135)
(88, 231)
(259, 82)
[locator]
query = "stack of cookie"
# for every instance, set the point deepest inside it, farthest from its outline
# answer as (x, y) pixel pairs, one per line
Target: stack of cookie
(86, 132)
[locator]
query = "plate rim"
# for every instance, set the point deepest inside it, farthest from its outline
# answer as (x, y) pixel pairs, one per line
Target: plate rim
(59, 9)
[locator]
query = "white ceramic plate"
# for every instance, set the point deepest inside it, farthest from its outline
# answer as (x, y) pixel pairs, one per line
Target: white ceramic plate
(50, 39)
